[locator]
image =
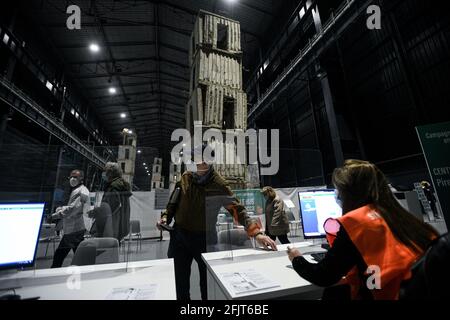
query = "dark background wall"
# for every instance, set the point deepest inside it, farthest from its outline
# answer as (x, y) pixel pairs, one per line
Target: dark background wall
(383, 83)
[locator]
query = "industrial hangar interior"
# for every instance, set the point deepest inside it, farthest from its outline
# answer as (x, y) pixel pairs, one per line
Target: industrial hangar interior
(342, 108)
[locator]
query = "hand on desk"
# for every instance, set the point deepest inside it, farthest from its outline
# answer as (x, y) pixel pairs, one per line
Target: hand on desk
(266, 242)
(292, 253)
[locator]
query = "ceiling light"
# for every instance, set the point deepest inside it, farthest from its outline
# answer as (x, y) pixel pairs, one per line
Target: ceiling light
(139, 151)
(94, 47)
(123, 115)
(112, 90)
(130, 132)
(144, 164)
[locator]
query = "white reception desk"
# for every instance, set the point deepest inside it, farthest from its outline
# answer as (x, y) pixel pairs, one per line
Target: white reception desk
(96, 281)
(271, 264)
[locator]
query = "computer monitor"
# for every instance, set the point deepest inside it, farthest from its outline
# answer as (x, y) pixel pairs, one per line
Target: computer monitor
(20, 224)
(316, 206)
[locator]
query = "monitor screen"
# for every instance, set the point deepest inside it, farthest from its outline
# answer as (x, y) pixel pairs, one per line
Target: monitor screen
(316, 206)
(19, 233)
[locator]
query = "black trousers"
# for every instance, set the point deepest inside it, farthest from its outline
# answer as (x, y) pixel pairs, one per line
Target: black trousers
(283, 238)
(184, 247)
(68, 242)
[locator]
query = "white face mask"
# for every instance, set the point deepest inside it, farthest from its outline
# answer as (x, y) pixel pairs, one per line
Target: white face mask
(73, 182)
(191, 167)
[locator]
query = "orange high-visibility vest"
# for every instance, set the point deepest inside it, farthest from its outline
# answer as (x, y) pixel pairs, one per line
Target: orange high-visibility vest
(377, 245)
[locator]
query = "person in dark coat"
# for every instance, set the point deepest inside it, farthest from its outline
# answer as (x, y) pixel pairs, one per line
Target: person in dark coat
(117, 196)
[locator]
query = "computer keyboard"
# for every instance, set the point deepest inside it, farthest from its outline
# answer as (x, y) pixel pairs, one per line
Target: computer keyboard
(318, 256)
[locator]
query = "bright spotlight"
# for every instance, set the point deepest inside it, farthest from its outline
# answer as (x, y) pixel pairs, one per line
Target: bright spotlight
(94, 47)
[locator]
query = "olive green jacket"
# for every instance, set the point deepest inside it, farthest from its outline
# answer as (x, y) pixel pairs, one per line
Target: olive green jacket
(198, 205)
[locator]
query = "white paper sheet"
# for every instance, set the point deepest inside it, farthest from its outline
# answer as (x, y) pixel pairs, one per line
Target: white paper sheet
(246, 281)
(143, 292)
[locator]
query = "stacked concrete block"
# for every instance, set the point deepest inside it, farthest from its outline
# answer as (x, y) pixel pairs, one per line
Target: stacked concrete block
(216, 95)
(174, 175)
(127, 156)
(157, 181)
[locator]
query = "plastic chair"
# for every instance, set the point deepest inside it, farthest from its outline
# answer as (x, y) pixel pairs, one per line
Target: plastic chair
(135, 231)
(224, 222)
(293, 224)
(235, 237)
(84, 256)
(106, 250)
(48, 234)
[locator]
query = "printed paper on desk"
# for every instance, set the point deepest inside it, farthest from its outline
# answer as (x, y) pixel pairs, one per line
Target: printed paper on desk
(246, 281)
(144, 292)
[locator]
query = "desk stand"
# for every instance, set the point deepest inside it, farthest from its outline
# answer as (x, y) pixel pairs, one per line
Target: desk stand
(13, 285)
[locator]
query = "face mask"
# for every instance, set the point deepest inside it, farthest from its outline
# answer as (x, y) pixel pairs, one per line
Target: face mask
(73, 182)
(338, 199)
(191, 167)
(104, 178)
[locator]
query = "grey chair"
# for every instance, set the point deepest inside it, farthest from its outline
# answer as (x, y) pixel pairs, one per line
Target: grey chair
(224, 222)
(293, 224)
(84, 256)
(235, 237)
(106, 250)
(48, 235)
(135, 232)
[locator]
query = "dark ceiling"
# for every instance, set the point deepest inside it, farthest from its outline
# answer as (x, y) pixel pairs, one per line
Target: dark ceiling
(143, 54)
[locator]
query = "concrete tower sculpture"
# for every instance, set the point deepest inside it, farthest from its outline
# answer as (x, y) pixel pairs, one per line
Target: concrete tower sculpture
(216, 96)
(127, 155)
(157, 181)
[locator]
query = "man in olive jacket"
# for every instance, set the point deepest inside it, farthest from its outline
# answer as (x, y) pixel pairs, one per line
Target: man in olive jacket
(201, 194)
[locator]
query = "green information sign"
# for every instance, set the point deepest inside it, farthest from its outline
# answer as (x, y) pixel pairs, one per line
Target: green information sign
(251, 199)
(435, 142)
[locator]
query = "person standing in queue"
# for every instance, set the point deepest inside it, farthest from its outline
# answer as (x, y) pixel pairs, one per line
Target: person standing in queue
(188, 239)
(277, 222)
(374, 243)
(117, 196)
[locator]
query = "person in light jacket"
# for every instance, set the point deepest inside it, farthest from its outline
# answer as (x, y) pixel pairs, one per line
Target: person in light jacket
(72, 216)
(277, 222)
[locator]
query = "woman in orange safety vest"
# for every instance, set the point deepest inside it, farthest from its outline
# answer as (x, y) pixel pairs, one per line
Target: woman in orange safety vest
(374, 243)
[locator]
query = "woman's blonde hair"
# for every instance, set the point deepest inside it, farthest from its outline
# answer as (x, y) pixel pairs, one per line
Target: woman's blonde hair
(269, 192)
